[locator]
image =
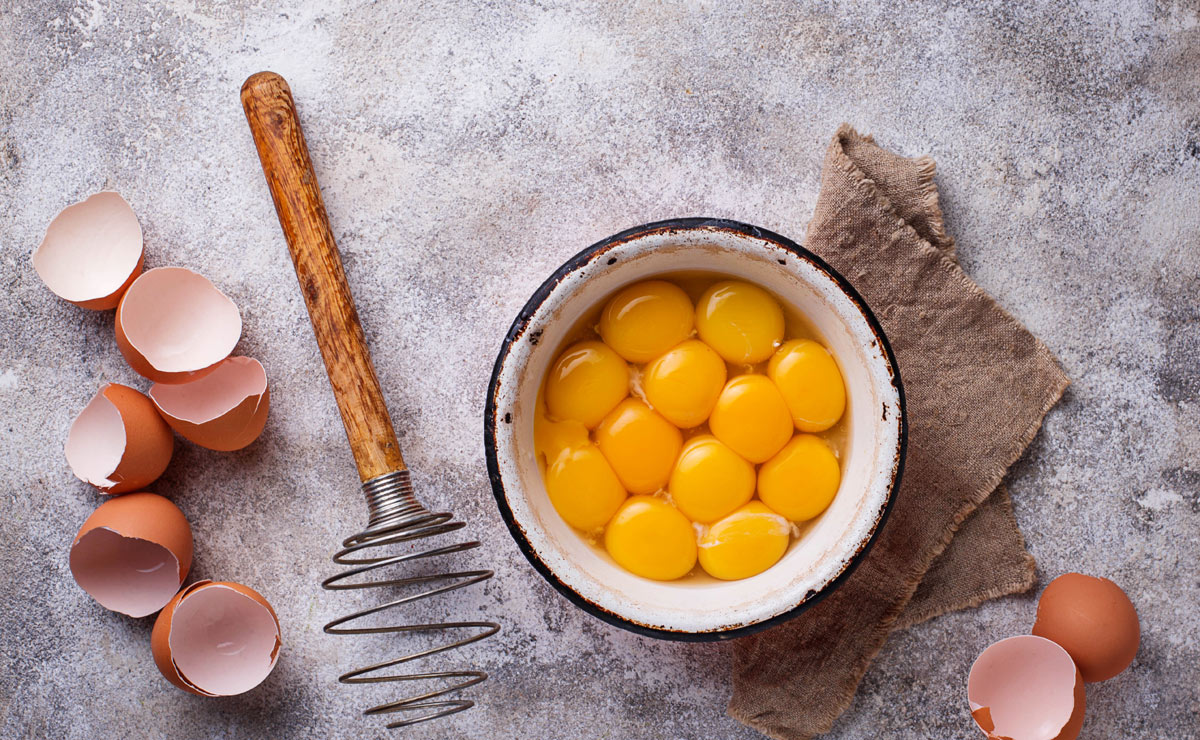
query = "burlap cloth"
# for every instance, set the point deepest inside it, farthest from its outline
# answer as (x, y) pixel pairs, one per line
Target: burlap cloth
(977, 385)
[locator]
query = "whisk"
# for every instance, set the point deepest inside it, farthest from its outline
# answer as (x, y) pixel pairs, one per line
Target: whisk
(400, 529)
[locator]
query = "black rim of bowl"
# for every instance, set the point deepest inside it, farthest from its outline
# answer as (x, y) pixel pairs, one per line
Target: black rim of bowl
(517, 331)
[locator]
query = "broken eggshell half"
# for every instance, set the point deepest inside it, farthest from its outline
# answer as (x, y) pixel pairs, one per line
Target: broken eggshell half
(1026, 688)
(119, 443)
(132, 553)
(175, 326)
(91, 252)
(1094, 621)
(223, 410)
(216, 638)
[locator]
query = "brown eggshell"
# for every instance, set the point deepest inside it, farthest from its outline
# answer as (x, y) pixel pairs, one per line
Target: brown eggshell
(160, 644)
(224, 410)
(174, 326)
(221, 613)
(1074, 726)
(92, 251)
(133, 553)
(119, 442)
(1026, 688)
(1093, 620)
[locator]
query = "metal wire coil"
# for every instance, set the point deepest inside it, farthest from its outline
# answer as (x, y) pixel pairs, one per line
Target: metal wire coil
(397, 518)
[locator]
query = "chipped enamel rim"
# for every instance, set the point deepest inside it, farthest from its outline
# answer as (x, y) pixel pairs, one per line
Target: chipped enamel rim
(698, 608)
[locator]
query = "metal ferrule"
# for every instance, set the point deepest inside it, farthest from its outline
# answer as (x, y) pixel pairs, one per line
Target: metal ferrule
(390, 500)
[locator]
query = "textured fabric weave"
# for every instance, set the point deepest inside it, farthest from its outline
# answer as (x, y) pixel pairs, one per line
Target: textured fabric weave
(977, 386)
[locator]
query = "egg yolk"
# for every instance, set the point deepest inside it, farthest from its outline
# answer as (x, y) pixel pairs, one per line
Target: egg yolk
(811, 384)
(583, 488)
(710, 480)
(745, 543)
(801, 480)
(751, 417)
(640, 445)
(609, 430)
(742, 322)
(552, 437)
(585, 383)
(645, 320)
(650, 538)
(683, 384)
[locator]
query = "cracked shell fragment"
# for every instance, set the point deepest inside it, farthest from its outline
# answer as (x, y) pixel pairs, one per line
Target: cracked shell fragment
(223, 410)
(132, 553)
(175, 326)
(216, 638)
(119, 443)
(1026, 688)
(91, 252)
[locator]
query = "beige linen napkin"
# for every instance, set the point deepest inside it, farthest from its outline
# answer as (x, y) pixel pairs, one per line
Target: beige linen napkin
(977, 386)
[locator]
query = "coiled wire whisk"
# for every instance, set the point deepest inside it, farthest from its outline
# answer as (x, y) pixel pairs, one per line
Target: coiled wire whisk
(398, 519)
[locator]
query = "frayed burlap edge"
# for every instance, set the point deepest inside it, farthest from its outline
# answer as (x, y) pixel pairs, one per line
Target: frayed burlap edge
(912, 615)
(878, 635)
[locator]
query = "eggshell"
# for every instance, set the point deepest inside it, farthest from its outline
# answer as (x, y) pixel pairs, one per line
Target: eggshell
(224, 410)
(119, 442)
(1093, 620)
(1026, 688)
(92, 251)
(174, 326)
(132, 553)
(216, 639)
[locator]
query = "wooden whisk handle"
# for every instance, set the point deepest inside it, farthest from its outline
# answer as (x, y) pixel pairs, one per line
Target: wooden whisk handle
(271, 113)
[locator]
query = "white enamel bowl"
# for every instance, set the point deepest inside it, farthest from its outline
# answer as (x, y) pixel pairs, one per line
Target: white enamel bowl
(699, 608)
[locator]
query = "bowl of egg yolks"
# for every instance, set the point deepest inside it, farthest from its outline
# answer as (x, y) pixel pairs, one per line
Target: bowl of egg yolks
(695, 429)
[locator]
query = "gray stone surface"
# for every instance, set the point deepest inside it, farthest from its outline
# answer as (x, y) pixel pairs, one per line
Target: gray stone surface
(466, 150)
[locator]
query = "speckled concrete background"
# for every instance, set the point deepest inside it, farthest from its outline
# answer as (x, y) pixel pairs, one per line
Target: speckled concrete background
(465, 150)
